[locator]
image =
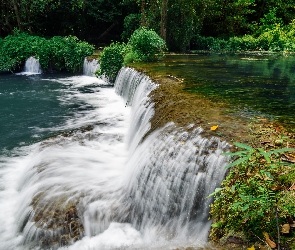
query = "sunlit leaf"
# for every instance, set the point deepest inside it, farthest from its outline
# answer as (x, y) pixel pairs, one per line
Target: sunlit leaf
(218, 224)
(242, 145)
(285, 229)
(251, 248)
(214, 127)
(217, 190)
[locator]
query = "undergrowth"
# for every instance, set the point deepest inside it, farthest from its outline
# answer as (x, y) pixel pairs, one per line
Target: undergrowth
(257, 197)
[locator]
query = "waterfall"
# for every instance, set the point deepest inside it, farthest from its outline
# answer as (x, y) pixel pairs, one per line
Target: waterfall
(90, 66)
(171, 172)
(108, 183)
(32, 66)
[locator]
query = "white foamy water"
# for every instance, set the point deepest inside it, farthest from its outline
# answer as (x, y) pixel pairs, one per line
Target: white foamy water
(32, 67)
(101, 186)
(90, 66)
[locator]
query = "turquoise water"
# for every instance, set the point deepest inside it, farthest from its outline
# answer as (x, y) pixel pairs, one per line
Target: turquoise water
(251, 84)
(33, 108)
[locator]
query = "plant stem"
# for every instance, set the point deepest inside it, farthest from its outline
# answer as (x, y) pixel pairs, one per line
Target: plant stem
(278, 228)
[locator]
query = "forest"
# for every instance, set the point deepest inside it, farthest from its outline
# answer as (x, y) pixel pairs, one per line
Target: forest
(179, 22)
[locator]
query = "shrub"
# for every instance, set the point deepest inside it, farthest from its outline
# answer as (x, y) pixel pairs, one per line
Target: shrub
(62, 53)
(111, 60)
(201, 43)
(68, 53)
(146, 44)
(244, 43)
(143, 45)
(219, 45)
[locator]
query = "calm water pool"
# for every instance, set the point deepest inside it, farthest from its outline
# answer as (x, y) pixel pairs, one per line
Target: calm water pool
(252, 85)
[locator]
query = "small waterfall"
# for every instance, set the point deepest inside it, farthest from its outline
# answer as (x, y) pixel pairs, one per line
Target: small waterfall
(32, 66)
(171, 172)
(90, 66)
(111, 185)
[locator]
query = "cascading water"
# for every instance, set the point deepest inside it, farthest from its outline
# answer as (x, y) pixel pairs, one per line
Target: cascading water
(90, 66)
(105, 183)
(32, 66)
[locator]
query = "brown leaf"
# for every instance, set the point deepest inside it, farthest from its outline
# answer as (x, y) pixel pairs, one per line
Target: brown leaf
(285, 229)
(275, 187)
(265, 142)
(269, 241)
(288, 158)
(292, 187)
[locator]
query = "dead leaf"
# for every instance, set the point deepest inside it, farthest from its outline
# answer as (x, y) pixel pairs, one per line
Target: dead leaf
(275, 187)
(269, 241)
(292, 187)
(265, 142)
(285, 229)
(214, 127)
(288, 158)
(251, 248)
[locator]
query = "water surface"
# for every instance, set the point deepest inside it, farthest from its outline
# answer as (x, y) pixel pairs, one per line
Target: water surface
(252, 84)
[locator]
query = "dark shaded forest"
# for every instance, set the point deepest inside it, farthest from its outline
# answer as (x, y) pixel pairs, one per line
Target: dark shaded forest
(176, 21)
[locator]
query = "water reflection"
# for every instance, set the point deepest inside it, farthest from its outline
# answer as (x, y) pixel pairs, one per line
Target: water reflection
(260, 84)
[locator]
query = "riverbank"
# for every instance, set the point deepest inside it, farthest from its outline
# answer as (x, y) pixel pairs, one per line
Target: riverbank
(174, 104)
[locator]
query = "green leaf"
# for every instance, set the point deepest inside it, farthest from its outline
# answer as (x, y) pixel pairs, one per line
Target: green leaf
(218, 224)
(237, 162)
(217, 190)
(244, 208)
(242, 145)
(239, 153)
(281, 150)
(265, 155)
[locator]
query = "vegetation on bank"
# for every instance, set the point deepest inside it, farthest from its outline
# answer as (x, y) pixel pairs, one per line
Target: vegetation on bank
(143, 45)
(255, 202)
(57, 53)
(274, 38)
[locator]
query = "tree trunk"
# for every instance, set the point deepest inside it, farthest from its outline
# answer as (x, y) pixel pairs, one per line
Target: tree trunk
(164, 9)
(17, 14)
(142, 10)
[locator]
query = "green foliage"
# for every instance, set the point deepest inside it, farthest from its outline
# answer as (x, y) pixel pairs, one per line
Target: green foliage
(145, 45)
(269, 21)
(68, 53)
(278, 39)
(62, 53)
(111, 60)
(131, 23)
(255, 189)
(202, 43)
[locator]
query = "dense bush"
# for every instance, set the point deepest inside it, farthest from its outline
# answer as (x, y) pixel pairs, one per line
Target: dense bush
(271, 35)
(61, 53)
(146, 45)
(143, 45)
(68, 52)
(111, 60)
